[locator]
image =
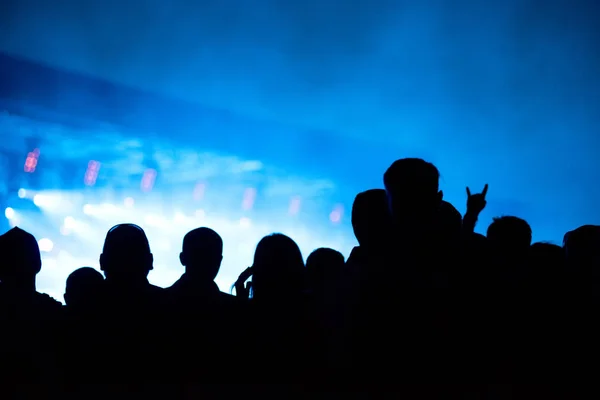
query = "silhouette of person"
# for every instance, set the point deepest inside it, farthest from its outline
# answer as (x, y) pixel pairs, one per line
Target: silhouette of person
(126, 261)
(133, 310)
(278, 328)
(278, 269)
(83, 290)
(324, 268)
(412, 187)
(206, 318)
(201, 256)
(371, 224)
(27, 317)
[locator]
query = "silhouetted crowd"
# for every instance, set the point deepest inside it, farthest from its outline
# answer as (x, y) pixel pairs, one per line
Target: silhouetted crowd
(421, 299)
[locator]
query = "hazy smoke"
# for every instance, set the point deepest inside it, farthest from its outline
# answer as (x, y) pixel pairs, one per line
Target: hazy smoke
(490, 88)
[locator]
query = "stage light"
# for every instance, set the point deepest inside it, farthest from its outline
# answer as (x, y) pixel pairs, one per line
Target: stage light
(31, 161)
(248, 201)
(294, 206)
(47, 200)
(45, 245)
(22, 193)
(91, 174)
(245, 222)
(199, 190)
(88, 209)
(69, 223)
(129, 202)
(180, 218)
(200, 214)
(336, 214)
(148, 180)
(9, 213)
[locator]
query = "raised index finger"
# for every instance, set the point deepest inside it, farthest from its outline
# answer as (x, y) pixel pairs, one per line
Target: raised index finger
(485, 189)
(468, 192)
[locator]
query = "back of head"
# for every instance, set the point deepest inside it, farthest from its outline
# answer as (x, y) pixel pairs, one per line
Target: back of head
(324, 266)
(510, 235)
(547, 256)
(582, 246)
(20, 256)
(126, 256)
(371, 217)
(412, 186)
(83, 288)
(278, 267)
(202, 253)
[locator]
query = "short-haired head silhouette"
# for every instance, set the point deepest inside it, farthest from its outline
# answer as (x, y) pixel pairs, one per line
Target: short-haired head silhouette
(510, 234)
(20, 258)
(202, 254)
(412, 187)
(324, 267)
(126, 256)
(83, 288)
(278, 267)
(371, 217)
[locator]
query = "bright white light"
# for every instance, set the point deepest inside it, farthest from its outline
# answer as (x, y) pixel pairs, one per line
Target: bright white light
(69, 223)
(88, 209)
(46, 245)
(154, 220)
(9, 213)
(129, 202)
(180, 218)
(200, 214)
(22, 193)
(47, 200)
(245, 222)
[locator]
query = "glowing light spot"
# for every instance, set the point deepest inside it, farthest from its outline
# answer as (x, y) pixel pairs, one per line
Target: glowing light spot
(46, 245)
(65, 231)
(91, 174)
(200, 214)
(9, 213)
(22, 193)
(294, 205)
(129, 202)
(199, 190)
(180, 218)
(69, 223)
(245, 222)
(148, 180)
(88, 209)
(38, 200)
(336, 214)
(249, 197)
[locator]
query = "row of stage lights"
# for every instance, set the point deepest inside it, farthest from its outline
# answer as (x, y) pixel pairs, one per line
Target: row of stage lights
(149, 178)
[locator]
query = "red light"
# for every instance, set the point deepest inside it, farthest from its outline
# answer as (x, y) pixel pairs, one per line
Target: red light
(91, 175)
(31, 161)
(148, 180)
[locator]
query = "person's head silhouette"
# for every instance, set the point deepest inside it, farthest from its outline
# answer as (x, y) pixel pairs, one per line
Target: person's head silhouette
(126, 257)
(412, 187)
(324, 267)
(371, 218)
(509, 235)
(202, 254)
(278, 269)
(83, 288)
(20, 259)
